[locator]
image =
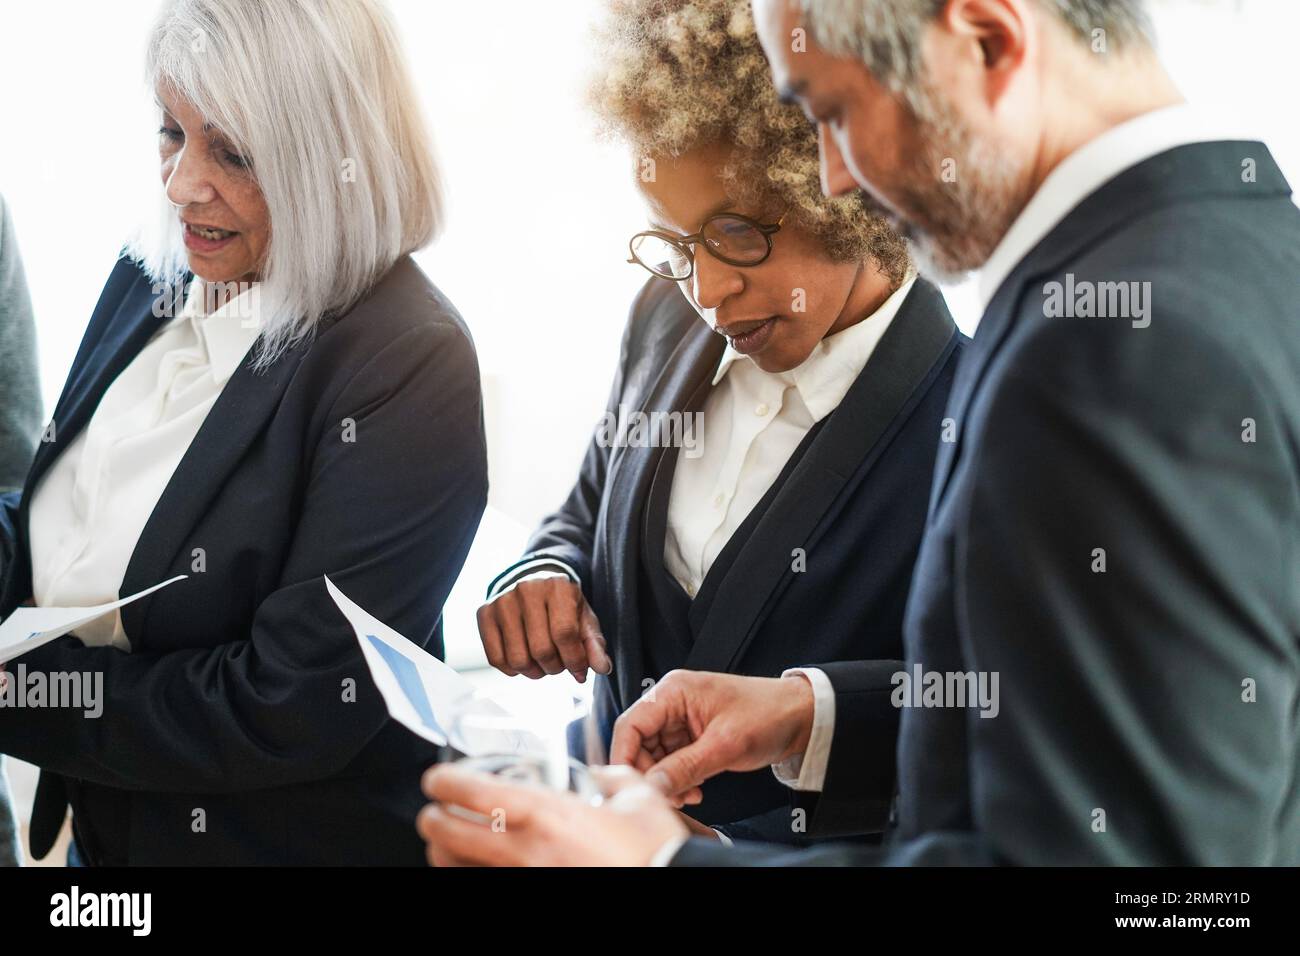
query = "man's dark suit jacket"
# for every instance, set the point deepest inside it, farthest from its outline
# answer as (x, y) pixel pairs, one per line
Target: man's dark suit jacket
(228, 734)
(1150, 712)
(854, 501)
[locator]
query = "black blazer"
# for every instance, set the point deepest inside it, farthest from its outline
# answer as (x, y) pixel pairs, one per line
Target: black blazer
(855, 503)
(228, 734)
(1148, 711)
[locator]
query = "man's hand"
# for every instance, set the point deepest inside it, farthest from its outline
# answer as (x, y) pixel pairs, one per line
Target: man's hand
(528, 825)
(541, 626)
(694, 725)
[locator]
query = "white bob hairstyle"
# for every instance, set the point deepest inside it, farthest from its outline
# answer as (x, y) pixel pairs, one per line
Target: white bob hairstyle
(317, 95)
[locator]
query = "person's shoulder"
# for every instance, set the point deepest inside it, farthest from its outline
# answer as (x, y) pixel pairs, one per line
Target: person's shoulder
(404, 307)
(658, 318)
(658, 296)
(404, 299)
(1143, 336)
(1188, 285)
(925, 295)
(927, 299)
(128, 271)
(127, 278)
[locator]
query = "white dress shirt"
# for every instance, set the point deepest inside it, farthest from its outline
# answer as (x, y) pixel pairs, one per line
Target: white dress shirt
(753, 422)
(1075, 178)
(89, 510)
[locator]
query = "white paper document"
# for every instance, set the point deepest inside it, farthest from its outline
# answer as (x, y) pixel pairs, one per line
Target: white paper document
(31, 627)
(429, 697)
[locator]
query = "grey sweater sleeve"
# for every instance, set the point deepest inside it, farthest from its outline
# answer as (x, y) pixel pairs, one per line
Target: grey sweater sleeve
(20, 419)
(20, 397)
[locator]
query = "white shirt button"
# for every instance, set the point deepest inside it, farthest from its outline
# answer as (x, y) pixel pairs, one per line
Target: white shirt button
(717, 500)
(761, 409)
(690, 590)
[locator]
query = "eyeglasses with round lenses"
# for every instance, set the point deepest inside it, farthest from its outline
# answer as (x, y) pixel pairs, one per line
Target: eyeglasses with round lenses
(728, 237)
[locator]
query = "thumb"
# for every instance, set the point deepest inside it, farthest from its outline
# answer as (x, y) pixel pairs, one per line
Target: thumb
(593, 641)
(625, 789)
(685, 769)
(612, 779)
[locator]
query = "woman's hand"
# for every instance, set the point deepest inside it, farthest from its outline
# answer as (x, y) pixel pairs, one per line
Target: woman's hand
(543, 625)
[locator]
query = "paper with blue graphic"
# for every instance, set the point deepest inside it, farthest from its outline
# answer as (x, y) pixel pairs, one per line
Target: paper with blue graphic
(31, 627)
(428, 697)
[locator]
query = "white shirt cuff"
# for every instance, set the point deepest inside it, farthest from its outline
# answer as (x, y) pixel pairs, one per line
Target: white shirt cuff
(807, 771)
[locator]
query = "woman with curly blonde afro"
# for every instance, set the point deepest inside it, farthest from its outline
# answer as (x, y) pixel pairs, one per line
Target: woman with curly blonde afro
(686, 86)
(754, 496)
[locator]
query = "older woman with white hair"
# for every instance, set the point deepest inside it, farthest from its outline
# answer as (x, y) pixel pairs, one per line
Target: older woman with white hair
(308, 405)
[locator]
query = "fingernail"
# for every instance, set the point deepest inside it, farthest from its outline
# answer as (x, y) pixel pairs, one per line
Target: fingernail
(659, 780)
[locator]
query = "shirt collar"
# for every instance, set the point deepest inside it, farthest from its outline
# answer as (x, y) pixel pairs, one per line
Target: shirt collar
(1084, 171)
(227, 333)
(824, 378)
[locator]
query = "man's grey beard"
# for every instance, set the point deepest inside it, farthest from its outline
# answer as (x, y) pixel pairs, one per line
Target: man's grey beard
(959, 223)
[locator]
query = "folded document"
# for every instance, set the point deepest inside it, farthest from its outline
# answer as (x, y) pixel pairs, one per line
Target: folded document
(31, 627)
(427, 696)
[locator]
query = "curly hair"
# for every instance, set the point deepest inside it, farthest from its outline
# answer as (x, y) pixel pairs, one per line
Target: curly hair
(679, 75)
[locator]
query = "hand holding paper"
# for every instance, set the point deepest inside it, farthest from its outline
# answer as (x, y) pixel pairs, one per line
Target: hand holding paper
(428, 697)
(31, 627)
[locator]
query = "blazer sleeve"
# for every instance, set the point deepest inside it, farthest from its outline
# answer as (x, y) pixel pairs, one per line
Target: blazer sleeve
(858, 791)
(1127, 568)
(389, 517)
(1143, 707)
(793, 826)
(938, 849)
(857, 795)
(568, 534)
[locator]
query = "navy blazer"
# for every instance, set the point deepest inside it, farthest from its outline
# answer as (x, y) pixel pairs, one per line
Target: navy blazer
(1149, 706)
(231, 733)
(855, 504)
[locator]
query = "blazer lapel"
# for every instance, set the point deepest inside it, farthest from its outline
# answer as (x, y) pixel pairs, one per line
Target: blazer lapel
(237, 418)
(631, 470)
(132, 326)
(988, 336)
(841, 455)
